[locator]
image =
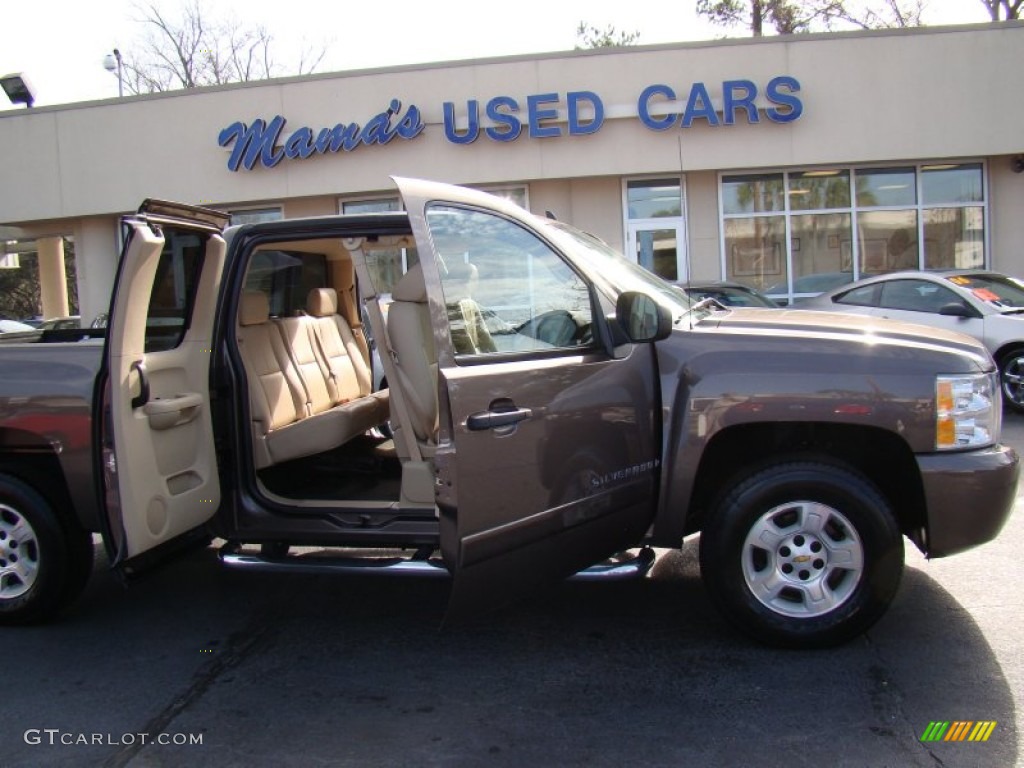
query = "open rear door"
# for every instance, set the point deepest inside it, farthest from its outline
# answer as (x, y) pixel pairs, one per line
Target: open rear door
(547, 454)
(159, 470)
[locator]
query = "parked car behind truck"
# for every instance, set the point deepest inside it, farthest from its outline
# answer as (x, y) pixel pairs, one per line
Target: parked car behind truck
(233, 398)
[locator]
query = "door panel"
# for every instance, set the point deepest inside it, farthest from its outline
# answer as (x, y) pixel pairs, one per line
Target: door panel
(547, 457)
(158, 360)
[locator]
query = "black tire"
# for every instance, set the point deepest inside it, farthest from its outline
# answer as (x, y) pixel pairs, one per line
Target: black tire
(1011, 378)
(44, 565)
(773, 551)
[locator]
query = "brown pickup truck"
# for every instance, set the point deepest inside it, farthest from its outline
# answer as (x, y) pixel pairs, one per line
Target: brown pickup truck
(549, 405)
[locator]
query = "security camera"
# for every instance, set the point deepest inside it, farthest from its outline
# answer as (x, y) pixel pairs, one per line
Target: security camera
(1018, 164)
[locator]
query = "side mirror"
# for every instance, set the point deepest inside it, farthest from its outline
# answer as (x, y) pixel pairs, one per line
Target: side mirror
(955, 309)
(642, 318)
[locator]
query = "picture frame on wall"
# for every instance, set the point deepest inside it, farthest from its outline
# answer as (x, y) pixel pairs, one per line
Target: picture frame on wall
(756, 259)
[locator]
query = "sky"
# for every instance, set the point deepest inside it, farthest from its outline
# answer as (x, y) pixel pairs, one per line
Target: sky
(63, 61)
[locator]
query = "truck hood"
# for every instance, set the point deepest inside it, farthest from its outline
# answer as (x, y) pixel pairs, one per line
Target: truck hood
(803, 323)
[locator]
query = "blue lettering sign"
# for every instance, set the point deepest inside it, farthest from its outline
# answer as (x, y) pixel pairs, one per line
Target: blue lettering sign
(793, 106)
(253, 143)
(472, 131)
(574, 100)
(261, 142)
(508, 126)
(739, 94)
(699, 105)
(536, 115)
(643, 106)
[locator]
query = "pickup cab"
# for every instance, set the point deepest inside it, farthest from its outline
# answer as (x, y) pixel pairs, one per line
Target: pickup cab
(549, 406)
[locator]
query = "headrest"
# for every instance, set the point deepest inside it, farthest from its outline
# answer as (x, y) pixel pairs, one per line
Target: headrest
(255, 308)
(322, 302)
(411, 287)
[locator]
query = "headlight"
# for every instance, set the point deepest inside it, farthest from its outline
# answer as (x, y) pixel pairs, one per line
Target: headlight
(968, 410)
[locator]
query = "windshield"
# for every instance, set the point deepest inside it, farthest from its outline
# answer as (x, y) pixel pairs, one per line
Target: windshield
(616, 274)
(998, 290)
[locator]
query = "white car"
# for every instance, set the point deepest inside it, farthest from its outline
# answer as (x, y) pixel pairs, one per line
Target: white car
(986, 305)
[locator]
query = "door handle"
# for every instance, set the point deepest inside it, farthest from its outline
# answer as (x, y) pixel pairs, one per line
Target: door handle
(497, 418)
(143, 397)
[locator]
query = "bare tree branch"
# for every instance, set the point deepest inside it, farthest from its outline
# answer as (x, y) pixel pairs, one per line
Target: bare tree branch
(194, 50)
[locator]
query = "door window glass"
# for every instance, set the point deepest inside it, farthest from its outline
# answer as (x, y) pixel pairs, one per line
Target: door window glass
(916, 296)
(174, 289)
(658, 251)
(505, 289)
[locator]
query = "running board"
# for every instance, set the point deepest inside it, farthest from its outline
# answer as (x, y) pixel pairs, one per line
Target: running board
(628, 567)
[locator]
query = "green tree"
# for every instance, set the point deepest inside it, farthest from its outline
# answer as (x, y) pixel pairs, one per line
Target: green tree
(1003, 10)
(589, 36)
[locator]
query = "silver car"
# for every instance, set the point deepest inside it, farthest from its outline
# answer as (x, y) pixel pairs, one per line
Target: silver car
(986, 305)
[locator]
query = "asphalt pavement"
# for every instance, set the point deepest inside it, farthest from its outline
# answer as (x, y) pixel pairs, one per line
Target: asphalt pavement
(201, 666)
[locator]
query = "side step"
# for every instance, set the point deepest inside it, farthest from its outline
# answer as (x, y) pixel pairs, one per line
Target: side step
(620, 568)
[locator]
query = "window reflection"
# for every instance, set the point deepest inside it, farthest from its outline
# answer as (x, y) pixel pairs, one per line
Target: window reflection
(753, 193)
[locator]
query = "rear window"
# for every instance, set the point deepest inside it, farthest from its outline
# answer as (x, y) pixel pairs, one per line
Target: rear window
(286, 277)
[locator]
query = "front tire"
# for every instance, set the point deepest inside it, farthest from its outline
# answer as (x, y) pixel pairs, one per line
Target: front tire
(802, 554)
(43, 565)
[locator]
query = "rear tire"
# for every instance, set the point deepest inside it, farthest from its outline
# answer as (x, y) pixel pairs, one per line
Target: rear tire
(802, 554)
(44, 565)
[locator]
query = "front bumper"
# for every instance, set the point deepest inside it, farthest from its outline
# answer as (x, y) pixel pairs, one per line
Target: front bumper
(969, 497)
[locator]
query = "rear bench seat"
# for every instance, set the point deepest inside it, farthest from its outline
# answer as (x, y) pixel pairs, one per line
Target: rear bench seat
(301, 404)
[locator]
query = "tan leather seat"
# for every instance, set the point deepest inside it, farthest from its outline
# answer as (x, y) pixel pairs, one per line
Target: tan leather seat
(346, 370)
(276, 396)
(294, 412)
(411, 337)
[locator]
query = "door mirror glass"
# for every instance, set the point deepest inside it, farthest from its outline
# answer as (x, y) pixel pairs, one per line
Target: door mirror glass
(642, 318)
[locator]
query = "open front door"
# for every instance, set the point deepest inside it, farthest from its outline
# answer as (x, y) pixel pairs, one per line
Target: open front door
(548, 445)
(157, 449)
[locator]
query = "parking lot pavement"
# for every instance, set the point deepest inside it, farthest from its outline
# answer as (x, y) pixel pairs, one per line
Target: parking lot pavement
(311, 670)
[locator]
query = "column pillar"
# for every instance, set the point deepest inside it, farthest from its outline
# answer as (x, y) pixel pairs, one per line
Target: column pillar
(96, 262)
(53, 285)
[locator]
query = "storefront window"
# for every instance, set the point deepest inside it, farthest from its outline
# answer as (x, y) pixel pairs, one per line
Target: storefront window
(887, 241)
(753, 193)
(755, 250)
(814, 190)
(515, 195)
(954, 238)
(834, 225)
(952, 183)
(886, 186)
(820, 244)
(654, 199)
(256, 215)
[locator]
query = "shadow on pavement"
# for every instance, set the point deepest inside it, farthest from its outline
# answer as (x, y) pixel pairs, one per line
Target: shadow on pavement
(355, 671)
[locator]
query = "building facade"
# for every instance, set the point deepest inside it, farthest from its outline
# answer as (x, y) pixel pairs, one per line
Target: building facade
(787, 163)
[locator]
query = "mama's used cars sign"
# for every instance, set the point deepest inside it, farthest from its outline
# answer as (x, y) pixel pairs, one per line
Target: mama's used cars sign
(504, 118)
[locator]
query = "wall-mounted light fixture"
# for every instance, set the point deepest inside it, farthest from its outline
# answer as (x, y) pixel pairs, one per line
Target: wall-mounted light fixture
(17, 89)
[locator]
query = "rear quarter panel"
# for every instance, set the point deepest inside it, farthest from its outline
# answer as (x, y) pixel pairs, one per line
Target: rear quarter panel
(45, 408)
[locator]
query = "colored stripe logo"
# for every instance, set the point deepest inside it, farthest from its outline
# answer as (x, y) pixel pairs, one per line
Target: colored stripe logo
(958, 730)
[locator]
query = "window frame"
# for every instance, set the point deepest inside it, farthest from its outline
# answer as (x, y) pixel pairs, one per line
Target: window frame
(854, 210)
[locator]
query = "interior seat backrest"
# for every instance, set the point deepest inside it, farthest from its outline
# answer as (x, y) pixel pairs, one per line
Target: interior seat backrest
(349, 373)
(274, 389)
(298, 339)
(411, 338)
